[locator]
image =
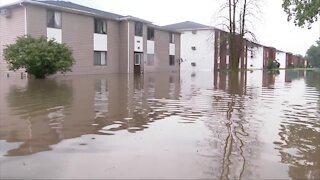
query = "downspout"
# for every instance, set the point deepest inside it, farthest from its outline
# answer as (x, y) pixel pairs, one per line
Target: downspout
(128, 47)
(25, 19)
(25, 33)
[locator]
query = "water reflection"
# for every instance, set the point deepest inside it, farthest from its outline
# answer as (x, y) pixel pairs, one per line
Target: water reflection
(36, 115)
(300, 132)
(312, 80)
(216, 125)
(238, 135)
(45, 112)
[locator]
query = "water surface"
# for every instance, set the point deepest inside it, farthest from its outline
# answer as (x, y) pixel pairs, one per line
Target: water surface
(215, 125)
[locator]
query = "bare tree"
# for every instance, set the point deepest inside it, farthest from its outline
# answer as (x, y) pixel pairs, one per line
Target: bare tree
(238, 17)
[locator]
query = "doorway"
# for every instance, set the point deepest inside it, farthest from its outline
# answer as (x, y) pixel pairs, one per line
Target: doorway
(137, 63)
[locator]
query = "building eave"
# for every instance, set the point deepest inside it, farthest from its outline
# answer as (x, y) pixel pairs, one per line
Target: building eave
(164, 29)
(131, 18)
(77, 11)
(12, 5)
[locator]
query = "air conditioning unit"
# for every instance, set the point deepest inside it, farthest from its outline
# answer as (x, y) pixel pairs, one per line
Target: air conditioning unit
(5, 12)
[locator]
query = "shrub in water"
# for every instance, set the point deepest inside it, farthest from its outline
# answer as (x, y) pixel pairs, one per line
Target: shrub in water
(39, 56)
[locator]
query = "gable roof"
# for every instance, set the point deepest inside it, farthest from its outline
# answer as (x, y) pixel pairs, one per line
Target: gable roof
(70, 5)
(187, 25)
(75, 8)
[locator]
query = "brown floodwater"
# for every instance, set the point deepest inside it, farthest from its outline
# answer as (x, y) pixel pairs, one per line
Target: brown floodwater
(193, 125)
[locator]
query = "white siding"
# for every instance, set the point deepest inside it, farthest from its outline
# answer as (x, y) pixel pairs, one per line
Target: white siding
(138, 44)
(53, 33)
(256, 60)
(150, 47)
(100, 42)
(172, 49)
(281, 58)
(203, 55)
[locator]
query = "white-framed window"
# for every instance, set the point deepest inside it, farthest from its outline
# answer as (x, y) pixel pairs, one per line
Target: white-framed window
(100, 26)
(100, 58)
(150, 59)
(171, 60)
(171, 38)
(137, 58)
(54, 19)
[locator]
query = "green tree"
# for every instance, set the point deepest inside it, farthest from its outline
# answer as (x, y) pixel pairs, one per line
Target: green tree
(313, 55)
(39, 56)
(303, 12)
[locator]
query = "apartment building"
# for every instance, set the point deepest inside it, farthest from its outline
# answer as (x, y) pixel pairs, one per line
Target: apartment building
(281, 58)
(102, 42)
(197, 44)
(254, 56)
(206, 48)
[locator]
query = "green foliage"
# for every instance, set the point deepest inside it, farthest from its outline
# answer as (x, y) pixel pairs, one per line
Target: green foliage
(273, 64)
(304, 12)
(39, 56)
(313, 55)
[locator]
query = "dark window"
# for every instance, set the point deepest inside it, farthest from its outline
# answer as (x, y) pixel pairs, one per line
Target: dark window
(150, 59)
(54, 19)
(171, 38)
(150, 34)
(193, 48)
(100, 58)
(171, 60)
(100, 26)
(138, 29)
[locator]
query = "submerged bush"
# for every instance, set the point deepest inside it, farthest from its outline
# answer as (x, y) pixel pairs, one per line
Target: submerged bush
(273, 64)
(39, 56)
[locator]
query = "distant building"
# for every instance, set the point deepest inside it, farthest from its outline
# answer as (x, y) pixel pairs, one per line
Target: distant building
(205, 48)
(254, 56)
(281, 58)
(269, 55)
(197, 45)
(102, 42)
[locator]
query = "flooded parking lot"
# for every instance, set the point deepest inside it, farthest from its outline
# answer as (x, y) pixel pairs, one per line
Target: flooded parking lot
(215, 125)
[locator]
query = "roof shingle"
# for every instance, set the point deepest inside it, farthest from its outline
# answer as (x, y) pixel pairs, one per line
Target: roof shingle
(187, 25)
(70, 5)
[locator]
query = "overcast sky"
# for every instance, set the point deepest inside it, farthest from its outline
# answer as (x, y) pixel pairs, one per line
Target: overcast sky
(272, 30)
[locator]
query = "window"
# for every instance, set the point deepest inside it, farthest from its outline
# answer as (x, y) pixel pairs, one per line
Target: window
(171, 60)
(150, 34)
(138, 29)
(193, 48)
(252, 54)
(100, 58)
(54, 19)
(137, 58)
(171, 38)
(100, 26)
(150, 59)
